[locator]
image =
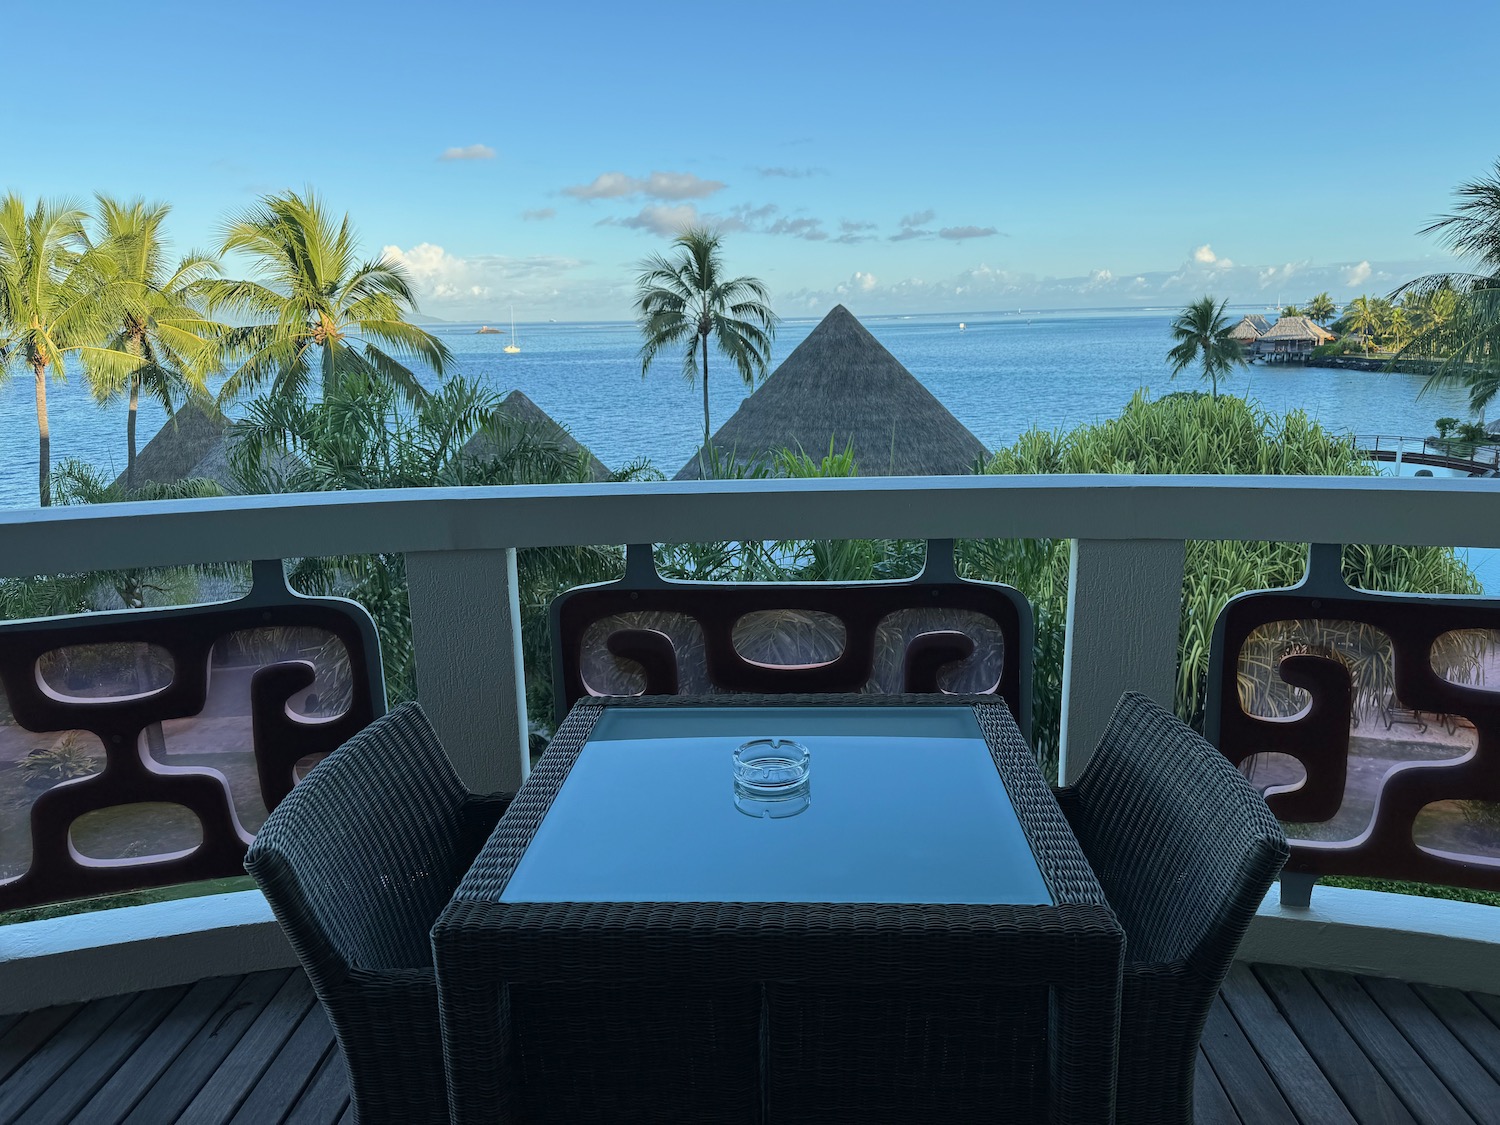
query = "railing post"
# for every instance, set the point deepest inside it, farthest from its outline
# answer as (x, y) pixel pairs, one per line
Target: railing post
(466, 632)
(1124, 608)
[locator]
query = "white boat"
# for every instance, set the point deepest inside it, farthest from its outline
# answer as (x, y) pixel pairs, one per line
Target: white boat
(512, 347)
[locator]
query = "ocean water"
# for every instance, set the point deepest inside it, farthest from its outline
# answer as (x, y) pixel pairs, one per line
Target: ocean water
(1003, 374)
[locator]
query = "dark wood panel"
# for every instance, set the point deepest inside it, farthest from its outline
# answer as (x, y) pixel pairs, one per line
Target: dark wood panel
(68, 1093)
(134, 1076)
(1426, 1098)
(326, 1096)
(1211, 1105)
(1305, 1088)
(54, 1056)
(1464, 1018)
(197, 1058)
(290, 1072)
(1241, 1072)
(235, 1077)
(1448, 1059)
(1367, 1095)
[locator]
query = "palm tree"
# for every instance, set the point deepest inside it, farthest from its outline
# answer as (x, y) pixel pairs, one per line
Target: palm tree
(1321, 308)
(687, 300)
(1202, 335)
(1367, 316)
(162, 344)
(314, 307)
(49, 302)
(1469, 341)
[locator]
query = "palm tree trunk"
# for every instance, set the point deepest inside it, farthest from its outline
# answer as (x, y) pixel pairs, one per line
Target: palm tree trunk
(44, 435)
(135, 398)
(705, 391)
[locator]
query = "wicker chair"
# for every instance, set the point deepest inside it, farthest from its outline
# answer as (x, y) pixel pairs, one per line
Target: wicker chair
(1185, 849)
(357, 862)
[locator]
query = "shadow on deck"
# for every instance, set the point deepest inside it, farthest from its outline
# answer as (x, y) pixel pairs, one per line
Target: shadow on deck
(1282, 1045)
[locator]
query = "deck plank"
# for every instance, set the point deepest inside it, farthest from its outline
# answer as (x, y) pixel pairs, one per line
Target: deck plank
(235, 1076)
(290, 1072)
(1240, 1071)
(134, 1078)
(1211, 1105)
(1296, 1074)
(1445, 1055)
(31, 1079)
(29, 1033)
(1426, 1098)
(326, 1096)
(1281, 1044)
(67, 1094)
(1366, 1094)
(1468, 1023)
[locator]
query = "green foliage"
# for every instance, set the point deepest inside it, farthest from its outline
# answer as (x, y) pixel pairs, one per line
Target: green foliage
(1202, 335)
(1446, 426)
(1464, 327)
(1321, 308)
(61, 762)
(684, 301)
(312, 313)
(1196, 435)
(364, 435)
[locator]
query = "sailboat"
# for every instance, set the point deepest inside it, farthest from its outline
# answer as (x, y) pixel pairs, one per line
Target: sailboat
(511, 347)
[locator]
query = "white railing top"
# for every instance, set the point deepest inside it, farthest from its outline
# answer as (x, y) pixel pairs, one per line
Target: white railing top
(1424, 511)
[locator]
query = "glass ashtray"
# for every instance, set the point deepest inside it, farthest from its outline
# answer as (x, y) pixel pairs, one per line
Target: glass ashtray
(771, 766)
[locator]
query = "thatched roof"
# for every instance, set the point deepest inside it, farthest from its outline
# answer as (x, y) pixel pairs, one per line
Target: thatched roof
(533, 418)
(1298, 328)
(841, 384)
(194, 432)
(1247, 331)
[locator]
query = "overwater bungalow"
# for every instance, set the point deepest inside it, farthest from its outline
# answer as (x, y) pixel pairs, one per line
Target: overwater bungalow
(842, 385)
(1291, 338)
(1249, 330)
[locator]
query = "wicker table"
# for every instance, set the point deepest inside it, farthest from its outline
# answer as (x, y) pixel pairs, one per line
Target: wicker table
(924, 941)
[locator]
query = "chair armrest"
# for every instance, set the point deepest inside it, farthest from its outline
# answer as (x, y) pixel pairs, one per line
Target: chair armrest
(1072, 807)
(480, 813)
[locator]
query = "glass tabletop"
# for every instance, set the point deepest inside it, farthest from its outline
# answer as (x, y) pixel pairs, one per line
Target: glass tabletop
(899, 805)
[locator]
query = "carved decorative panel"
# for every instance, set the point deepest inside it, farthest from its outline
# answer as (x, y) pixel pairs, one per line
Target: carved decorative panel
(1370, 721)
(645, 634)
(132, 724)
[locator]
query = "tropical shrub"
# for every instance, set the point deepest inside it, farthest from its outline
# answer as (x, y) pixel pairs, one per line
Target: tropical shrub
(1198, 434)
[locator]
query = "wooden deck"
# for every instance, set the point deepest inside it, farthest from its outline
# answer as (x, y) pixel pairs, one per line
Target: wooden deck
(1282, 1045)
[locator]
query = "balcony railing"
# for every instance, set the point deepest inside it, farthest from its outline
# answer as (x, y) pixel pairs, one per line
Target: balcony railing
(1128, 542)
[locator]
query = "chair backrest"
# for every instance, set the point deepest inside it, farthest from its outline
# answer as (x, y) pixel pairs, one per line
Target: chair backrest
(937, 632)
(1184, 847)
(359, 859)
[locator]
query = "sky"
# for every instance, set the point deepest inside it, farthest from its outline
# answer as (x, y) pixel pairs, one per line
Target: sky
(898, 158)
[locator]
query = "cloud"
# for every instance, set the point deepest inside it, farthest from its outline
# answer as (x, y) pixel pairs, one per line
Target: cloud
(538, 215)
(967, 232)
(669, 186)
(469, 152)
(808, 229)
(864, 282)
(792, 173)
(852, 231)
(444, 280)
(918, 218)
(1357, 275)
(660, 220)
(1205, 255)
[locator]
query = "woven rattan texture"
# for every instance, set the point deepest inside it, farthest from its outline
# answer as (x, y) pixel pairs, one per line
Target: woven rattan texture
(1185, 849)
(872, 1012)
(357, 862)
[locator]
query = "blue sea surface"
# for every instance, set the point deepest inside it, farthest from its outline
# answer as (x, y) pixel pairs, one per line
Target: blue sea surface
(1001, 374)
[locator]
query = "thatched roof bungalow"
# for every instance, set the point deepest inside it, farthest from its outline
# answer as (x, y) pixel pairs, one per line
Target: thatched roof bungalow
(528, 417)
(841, 384)
(1292, 337)
(190, 445)
(1250, 329)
